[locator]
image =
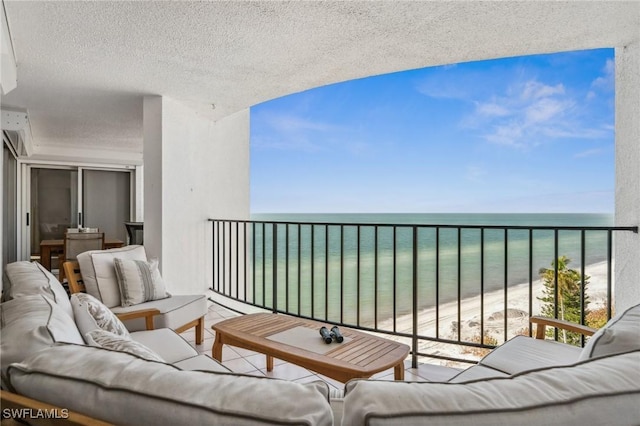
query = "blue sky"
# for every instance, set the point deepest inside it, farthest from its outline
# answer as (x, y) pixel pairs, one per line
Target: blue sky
(516, 135)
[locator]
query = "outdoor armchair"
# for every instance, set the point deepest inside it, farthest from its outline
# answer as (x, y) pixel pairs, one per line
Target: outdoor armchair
(93, 273)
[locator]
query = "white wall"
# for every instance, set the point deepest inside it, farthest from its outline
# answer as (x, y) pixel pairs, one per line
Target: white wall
(200, 169)
(153, 192)
(627, 244)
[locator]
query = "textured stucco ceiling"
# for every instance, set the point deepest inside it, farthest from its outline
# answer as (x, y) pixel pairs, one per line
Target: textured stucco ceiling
(83, 67)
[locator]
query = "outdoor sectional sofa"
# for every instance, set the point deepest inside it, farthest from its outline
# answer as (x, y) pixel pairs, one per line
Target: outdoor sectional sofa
(525, 381)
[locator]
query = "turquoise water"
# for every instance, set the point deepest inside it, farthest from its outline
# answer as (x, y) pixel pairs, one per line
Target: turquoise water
(351, 267)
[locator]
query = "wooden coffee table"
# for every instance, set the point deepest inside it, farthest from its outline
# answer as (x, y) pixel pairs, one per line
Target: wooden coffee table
(359, 356)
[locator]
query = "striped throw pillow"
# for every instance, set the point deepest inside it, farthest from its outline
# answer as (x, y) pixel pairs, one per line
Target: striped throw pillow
(139, 281)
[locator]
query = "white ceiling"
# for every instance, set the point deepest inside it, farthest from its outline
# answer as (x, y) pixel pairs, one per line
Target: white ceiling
(83, 67)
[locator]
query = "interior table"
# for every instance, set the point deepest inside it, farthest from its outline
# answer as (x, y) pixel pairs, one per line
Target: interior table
(298, 341)
(48, 247)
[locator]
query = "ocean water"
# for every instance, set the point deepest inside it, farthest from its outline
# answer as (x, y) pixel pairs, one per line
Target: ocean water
(342, 273)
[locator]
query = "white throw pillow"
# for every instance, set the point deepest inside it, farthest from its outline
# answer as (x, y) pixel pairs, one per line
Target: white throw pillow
(620, 334)
(139, 281)
(92, 314)
(115, 342)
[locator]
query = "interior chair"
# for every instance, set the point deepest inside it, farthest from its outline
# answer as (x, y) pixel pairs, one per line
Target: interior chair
(135, 230)
(76, 243)
(179, 312)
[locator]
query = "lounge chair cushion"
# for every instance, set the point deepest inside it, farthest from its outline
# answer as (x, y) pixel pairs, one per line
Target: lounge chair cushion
(152, 393)
(31, 278)
(115, 342)
(33, 323)
(99, 273)
(175, 311)
(597, 391)
(620, 334)
(91, 314)
(523, 353)
(169, 345)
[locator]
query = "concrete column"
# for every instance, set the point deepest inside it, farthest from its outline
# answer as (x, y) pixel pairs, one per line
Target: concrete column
(627, 244)
(194, 169)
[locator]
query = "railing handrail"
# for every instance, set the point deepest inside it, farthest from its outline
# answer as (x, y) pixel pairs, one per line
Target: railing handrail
(633, 229)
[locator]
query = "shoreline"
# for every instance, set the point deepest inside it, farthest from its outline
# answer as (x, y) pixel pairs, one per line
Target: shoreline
(494, 308)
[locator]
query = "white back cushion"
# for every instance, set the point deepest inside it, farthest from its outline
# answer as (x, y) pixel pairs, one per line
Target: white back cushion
(620, 334)
(31, 278)
(30, 324)
(140, 392)
(99, 272)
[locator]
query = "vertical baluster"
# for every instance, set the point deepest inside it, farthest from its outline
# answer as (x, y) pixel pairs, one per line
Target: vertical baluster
(437, 282)
(459, 316)
(375, 277)
(326, 272)
(313, 262)
(358, 276)
(482, 286)
(414, 308)
(609, 271)
(506, 282)
(555, 280)
(530, 277)
(274, 266)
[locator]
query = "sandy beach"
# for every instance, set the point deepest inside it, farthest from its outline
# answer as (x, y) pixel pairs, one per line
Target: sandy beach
(494, 310)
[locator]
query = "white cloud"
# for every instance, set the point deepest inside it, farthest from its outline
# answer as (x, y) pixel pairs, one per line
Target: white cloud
(535, 90)
(293, 133)
(291, 123)
(530, 112)
(284, 144)
(441, 89)
(588, 153)
(546, 109)
(606, 81)
(476, 173)
(506, 134)
(492, 109)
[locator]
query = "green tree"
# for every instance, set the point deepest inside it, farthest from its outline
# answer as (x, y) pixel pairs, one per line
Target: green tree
(570, 287)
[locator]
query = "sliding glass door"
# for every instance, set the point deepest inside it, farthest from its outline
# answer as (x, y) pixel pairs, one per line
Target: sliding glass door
(54, 204)
(106, 201)
(9, 207)
(71, 197)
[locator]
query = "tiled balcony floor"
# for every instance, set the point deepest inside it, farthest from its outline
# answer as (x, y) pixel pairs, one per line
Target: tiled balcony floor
(248, 362)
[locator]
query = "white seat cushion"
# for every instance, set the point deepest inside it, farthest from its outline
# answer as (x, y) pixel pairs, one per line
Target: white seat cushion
(139, 392)
(176, 311)
(524, 353)
(99, 273)
(166, 343)
(620, 334)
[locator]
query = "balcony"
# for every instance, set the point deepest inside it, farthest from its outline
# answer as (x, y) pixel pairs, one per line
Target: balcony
(452, 292)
